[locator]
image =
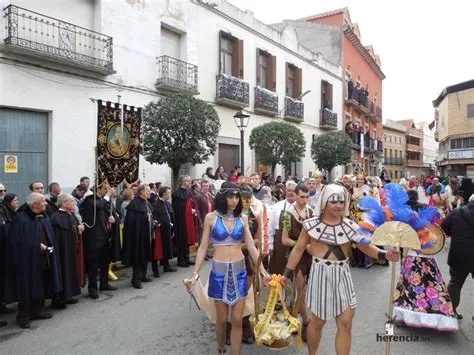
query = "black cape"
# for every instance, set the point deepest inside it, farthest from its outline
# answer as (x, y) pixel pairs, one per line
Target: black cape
(165, 219)
(180, 196)
(97, 218)
(66, 237)
(26, 261)
(6, 216)
(137, 232)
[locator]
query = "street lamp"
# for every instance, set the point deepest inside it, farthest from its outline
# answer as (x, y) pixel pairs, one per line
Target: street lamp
(241, 121)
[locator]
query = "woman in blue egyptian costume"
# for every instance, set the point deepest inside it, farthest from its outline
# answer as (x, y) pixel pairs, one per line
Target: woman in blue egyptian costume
(227, 229)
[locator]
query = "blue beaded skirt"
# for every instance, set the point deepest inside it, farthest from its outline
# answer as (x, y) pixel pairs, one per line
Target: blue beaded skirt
(228, 281)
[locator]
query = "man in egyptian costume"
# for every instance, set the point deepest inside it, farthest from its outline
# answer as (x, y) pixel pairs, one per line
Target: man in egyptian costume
(330, 292)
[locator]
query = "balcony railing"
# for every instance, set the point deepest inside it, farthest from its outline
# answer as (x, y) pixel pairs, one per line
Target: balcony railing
(393, 161)
(328, 119)
(232, 91)
(51, 39)
(358, 98)
(266, 101)
(176, 75)
(294, 109)
(414, 148)
(414, 162)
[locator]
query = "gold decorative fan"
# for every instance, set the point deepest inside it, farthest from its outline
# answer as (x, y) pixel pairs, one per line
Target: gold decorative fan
(396, 234)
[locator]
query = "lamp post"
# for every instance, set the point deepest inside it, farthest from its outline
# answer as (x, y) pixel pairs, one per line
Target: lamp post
(241, 120)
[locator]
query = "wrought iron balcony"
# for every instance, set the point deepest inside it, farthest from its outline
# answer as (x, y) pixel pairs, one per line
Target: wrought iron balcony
(33, 34)
(175, 75)
(266, 101)
(327, 119)
(294, 109)
(232, 91)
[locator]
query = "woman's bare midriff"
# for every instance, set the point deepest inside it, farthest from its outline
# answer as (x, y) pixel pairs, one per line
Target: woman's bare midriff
(319, 249)
(228, 253)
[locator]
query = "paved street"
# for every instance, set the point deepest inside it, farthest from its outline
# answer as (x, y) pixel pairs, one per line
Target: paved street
(160, 319)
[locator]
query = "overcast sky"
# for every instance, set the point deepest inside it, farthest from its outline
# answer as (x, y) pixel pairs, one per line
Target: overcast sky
(424, 46)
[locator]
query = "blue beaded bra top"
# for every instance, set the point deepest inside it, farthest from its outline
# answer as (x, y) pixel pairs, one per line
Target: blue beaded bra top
(220, 235)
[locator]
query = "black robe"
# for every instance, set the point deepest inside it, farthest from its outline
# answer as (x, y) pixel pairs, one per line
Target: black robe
(3, 254)
(114, 237)
(66, 236)
(27, 262)
(6, 216)
(160, 208)
(137, 232)
(98, 235)
(180, 196)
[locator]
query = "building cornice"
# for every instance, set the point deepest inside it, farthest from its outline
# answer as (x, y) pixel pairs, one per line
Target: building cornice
(351, 36)
(272, 41)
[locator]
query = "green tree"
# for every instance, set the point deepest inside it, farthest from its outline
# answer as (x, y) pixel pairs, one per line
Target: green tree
(277, 143)
(331, 149)
(179, 129)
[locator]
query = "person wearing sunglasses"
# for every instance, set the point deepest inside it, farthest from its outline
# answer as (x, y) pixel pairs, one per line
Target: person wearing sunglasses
(330, 293)
(227, 229)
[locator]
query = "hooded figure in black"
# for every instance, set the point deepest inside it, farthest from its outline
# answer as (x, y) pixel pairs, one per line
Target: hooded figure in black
(137, 235)
(33, 261)
(66, 233)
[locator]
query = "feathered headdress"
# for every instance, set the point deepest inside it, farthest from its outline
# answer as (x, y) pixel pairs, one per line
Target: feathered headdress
(396, 209)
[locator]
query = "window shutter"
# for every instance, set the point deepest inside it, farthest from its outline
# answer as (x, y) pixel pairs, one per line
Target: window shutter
(258, 67)
(220, 49)
(272, 73)
(298, 82)
(240, 58)
(287, 68)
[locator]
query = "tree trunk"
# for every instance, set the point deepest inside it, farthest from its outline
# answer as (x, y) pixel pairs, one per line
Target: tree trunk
(175, 176)
(273, 171)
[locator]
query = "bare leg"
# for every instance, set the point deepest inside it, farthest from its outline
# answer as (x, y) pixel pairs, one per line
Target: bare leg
(301, 289)
(344, 332)
(222, 311)
(315, 329)
(237, 312)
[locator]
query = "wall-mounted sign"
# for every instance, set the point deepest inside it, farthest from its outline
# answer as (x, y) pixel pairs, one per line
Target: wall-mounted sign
(461, 154)
(10, 164)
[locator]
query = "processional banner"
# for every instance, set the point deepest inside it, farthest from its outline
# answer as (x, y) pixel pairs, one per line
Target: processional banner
(118, 143)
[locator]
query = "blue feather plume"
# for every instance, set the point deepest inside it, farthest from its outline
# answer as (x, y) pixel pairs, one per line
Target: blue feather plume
(373, 211)
(429, 214)
(396, 202)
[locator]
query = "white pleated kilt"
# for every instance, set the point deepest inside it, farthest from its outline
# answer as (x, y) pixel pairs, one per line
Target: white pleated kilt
(330, 288)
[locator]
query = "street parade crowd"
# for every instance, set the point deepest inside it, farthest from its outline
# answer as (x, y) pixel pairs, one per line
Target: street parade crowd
(290, 234)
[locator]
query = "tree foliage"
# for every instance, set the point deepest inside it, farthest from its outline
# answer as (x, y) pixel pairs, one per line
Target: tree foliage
(179, 129)
(278, 143)
(331, 149)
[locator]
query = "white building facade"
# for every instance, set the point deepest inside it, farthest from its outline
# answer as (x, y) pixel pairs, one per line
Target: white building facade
(58, 57)
(430, 150)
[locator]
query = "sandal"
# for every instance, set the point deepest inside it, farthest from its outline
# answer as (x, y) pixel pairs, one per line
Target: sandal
(221, 351)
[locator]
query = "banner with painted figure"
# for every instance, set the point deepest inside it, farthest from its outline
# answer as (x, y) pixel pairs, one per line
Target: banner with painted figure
(118, 143)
